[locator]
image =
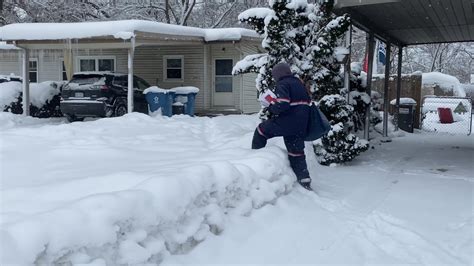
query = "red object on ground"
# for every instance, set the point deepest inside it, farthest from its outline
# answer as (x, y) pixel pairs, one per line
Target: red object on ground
(445, 115)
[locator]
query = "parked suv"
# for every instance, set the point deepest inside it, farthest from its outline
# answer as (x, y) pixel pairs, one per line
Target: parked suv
(9, 78)
(101, 94)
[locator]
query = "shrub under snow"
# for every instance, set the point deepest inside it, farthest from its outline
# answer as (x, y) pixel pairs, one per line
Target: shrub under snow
(44, 97)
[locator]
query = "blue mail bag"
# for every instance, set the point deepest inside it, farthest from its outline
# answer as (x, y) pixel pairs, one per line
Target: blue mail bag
(318, 124)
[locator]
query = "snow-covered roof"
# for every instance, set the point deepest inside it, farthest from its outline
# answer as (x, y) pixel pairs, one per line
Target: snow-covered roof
(5, 46)
(122, 29)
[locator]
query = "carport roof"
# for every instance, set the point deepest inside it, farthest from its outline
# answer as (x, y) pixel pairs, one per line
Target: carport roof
(119, 30)
(410, 22)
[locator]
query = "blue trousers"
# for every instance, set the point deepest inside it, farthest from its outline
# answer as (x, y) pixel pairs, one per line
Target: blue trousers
(294, 146)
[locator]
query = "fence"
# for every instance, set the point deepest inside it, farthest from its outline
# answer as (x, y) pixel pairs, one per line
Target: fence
(447, 114)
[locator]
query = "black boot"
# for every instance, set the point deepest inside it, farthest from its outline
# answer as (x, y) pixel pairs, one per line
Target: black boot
(305, 183)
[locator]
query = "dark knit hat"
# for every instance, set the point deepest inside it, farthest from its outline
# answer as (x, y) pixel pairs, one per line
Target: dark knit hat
(281, 70)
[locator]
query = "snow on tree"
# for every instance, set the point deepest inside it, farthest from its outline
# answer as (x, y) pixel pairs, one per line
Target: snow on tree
(306, 36)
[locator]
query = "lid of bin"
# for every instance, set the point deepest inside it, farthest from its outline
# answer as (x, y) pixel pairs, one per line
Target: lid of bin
(156, 90)
(404, 101)
(185, 90)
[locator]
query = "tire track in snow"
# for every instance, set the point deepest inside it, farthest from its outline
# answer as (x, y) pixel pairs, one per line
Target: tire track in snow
(356, 217)
(387, 233)
(394, 238)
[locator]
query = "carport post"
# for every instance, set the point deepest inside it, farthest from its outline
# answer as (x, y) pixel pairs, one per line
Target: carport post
(131, 52)
(347, 65)
(26, 82)
(386, 97)
(399, 85)
(370, 64)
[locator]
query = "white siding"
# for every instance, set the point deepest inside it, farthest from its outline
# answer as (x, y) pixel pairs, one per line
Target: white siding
(49, 67)
(250, 103)
(10, 62)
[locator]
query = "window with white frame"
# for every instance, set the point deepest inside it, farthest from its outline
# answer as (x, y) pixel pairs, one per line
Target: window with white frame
(90, 63)
(173, 67)
(223, 75)
(33, 74)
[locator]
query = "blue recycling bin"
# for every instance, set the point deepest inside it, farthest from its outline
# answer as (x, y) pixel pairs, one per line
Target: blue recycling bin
(160, 100)
(188, 100)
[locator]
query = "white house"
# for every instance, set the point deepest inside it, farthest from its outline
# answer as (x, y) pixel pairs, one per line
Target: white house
(164, 55)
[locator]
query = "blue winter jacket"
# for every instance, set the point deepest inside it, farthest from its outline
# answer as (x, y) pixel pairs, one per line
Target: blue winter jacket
(291, 108)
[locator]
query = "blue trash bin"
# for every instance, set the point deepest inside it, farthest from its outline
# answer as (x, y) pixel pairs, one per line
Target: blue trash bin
(189, 107)
(186, 96)
(188, 100)
(163, 100)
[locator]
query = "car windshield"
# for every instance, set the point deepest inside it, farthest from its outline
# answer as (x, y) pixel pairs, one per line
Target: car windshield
(86, 79)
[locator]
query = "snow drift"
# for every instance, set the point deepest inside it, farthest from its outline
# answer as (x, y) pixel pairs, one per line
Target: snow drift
(133, 189)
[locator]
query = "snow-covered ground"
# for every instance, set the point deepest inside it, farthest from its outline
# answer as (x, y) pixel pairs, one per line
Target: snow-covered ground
(462, 123)
(181, 190)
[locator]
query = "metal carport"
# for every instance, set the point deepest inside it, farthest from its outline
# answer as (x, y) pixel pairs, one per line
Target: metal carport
(407, 22)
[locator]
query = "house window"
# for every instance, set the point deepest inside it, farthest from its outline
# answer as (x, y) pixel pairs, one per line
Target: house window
(223, 75)
(87, 64)
(63, 71)
(106, 64)
(33, 74)
(173, 68)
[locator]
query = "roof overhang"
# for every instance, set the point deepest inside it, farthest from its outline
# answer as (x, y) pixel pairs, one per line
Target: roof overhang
(411, 22)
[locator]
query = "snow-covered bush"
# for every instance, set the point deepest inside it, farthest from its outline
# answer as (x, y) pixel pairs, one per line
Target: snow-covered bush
(360, 100)
(306, 36)
(45, 98)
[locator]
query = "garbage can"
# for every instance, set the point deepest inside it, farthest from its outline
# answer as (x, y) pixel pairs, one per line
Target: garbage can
(158, 98)
(406, 114)
(187, 97)
(178, 108)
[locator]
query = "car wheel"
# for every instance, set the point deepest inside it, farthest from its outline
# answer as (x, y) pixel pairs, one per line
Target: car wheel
(120, 108)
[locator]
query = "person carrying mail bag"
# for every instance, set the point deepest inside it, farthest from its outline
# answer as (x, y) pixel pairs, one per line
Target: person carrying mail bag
(290, 109)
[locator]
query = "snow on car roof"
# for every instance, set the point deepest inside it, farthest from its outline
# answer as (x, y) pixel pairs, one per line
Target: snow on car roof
(122, 29)
(100, 73)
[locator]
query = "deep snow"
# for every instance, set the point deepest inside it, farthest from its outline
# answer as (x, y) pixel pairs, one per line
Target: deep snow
(140, 189)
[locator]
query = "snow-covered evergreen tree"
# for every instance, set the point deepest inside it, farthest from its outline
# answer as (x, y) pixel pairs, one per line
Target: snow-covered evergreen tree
(306, 36)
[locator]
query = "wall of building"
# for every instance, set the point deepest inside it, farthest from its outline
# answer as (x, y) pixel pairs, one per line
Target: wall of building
(149, 65)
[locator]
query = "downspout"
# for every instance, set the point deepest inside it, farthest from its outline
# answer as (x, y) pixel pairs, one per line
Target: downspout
(241, 102)
(26, 80)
